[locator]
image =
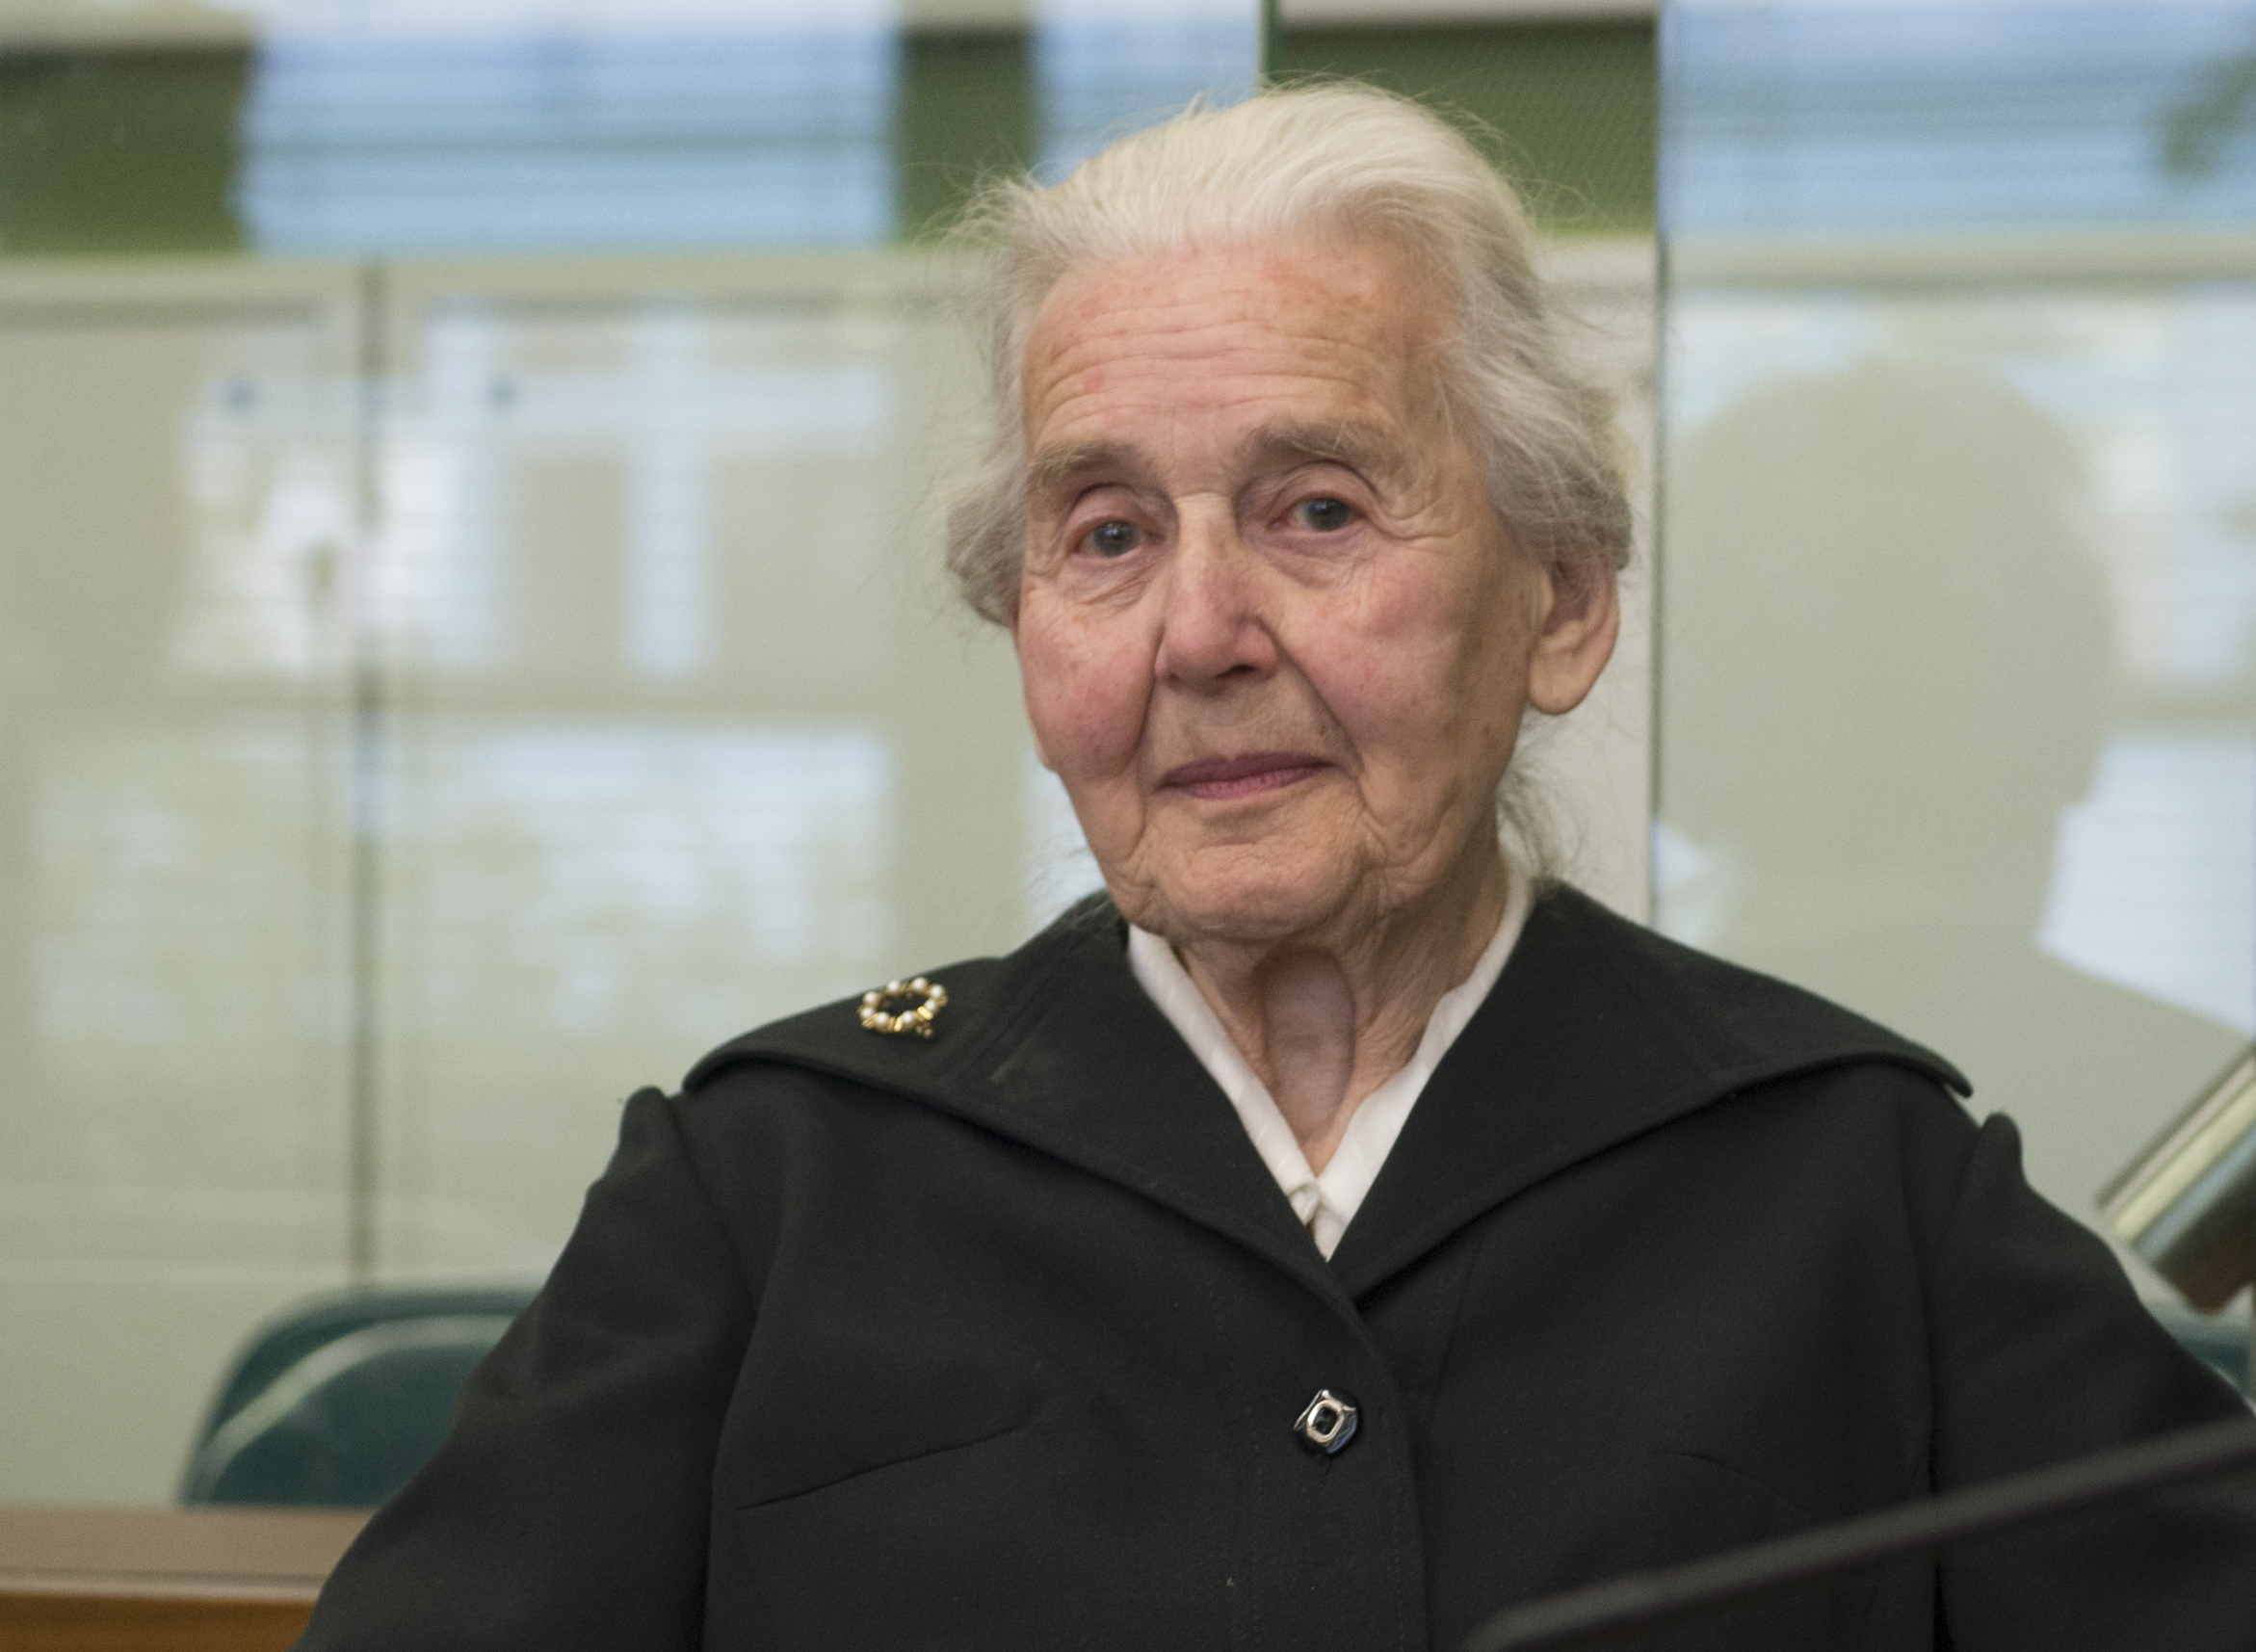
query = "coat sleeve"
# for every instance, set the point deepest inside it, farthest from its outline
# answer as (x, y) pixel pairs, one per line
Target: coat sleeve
(568, 1507)
(2042, 1352)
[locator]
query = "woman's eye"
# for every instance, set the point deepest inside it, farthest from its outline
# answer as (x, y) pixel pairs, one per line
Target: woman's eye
(1323, 515)
(1113, 538)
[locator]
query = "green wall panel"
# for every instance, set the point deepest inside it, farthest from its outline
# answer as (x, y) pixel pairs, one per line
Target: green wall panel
(1566, 109)
(119, 152)
(966, 113)
(124, 151)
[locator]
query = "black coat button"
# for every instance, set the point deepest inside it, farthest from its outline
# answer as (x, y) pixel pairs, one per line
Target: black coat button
(1329, 1424)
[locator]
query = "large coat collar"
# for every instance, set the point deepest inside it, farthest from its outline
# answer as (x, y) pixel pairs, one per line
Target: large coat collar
(1596, 1032)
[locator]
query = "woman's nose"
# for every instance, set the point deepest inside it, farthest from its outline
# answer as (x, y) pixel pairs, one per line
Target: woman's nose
(1214, 627)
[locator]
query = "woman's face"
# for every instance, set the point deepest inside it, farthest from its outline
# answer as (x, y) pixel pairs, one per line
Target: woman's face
(1274, 638)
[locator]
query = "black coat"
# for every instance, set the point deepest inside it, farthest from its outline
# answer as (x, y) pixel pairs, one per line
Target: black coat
(997, 1341)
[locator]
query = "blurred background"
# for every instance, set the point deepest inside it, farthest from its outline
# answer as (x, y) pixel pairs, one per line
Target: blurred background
(471, 638)
(1956, 709)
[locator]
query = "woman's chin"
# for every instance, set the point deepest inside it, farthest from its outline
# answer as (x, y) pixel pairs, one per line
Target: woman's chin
(1252, 906)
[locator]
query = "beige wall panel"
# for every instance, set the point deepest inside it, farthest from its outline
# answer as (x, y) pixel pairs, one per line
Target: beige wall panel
(1959, 620)
(717, 750)
(175, 510)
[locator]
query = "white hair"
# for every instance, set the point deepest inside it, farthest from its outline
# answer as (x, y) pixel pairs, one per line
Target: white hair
(1303, 167)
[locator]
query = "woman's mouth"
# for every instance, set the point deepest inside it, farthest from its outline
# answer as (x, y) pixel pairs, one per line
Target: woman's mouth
(1219, 780)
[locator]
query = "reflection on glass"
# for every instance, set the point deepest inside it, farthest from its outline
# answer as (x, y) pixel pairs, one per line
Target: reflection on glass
(660, 886)
(1102, 69)
(1862, 118)
(1905, 544)
(675, 123)
(575, 911)
(267, 460)
(599, 595)
(1959, 564)
(2153, 884)
(667, 596)
(173, 983)
(168, 925)
(672, 125)
(614, 450)
(661, 799)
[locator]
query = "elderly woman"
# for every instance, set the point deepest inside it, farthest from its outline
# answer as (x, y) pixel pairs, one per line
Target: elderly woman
(1329, 1233)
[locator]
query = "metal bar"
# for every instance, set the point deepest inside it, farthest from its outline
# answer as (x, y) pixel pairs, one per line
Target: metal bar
(1643, 1600)
(365, 781)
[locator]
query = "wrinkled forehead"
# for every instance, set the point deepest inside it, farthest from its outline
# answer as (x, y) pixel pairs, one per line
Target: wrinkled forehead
(1332, 334)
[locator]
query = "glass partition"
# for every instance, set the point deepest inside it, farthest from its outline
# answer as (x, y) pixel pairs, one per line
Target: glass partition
(471, 631)
(1957, 720)
(452, 678)
(176, 515)
(682, 733)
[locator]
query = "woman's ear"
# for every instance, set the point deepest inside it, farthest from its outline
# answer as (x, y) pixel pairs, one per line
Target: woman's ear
(1581, 621)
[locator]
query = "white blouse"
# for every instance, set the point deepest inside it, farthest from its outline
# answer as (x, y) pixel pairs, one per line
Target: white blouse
(1324, 1204)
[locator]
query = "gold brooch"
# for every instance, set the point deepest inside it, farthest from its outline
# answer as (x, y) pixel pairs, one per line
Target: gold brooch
(878, 1018)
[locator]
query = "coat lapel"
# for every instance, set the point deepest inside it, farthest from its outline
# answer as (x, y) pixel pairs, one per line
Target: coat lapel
(1596, 1032)
(1059, 1047)
(1101, 1067)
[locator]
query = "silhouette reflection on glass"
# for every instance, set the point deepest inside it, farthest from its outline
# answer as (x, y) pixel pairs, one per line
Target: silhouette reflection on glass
(1887, 669)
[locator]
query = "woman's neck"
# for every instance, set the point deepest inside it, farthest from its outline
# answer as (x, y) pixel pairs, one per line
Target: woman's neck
(1323, 1024)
